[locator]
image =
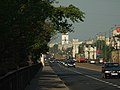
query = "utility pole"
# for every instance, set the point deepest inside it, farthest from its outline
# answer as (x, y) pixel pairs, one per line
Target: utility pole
(105, 47)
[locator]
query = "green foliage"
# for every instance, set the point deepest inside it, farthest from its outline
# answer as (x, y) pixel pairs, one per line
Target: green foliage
(106, 50)
(62, 15)
(28, 25)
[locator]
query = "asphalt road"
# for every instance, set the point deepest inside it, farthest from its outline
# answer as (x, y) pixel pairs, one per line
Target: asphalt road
(84, 79)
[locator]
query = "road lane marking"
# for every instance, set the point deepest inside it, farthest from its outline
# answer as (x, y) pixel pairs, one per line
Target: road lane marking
(109, 83)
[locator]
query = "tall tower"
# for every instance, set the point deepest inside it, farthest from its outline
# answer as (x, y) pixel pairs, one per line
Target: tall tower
(65, 38)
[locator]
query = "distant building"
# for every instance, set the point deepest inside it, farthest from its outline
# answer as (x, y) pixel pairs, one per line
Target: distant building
(65, 43)
(116, 32)
(65, 38)
(100, 37)
(75, 45)
(89, 50)
(108, 40)
(115, 43)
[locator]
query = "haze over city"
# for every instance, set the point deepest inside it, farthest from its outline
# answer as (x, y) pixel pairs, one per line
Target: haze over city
(100, 16)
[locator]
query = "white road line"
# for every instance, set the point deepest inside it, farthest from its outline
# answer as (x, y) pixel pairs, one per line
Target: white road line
(109, 83)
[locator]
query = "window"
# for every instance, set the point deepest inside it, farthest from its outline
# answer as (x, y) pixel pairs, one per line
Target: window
(112, 65)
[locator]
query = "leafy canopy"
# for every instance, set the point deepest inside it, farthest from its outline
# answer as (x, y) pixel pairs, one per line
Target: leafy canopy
(28, 25)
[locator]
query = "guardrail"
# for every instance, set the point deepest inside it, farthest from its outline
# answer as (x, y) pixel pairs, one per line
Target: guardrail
(18, 80)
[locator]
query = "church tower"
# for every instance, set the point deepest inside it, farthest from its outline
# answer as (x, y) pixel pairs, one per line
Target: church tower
(65, 38)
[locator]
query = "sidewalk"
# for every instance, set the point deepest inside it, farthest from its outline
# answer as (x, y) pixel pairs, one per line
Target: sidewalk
(46, 80)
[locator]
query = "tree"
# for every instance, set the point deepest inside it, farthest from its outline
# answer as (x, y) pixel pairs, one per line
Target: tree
(61, 15)
(26, 26)
(105, 49)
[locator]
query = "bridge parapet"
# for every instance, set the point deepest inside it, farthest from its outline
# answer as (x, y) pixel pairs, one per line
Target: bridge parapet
(18, 80)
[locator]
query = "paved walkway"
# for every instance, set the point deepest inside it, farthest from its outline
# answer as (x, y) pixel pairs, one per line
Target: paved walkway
(46, 80)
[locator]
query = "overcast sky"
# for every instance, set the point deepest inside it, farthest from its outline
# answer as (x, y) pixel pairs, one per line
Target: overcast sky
(101, 16)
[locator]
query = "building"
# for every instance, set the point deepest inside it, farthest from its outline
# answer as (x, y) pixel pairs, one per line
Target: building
(75, 46)
(115, 43)
(65, 38)
(89, 50)
(101, 37)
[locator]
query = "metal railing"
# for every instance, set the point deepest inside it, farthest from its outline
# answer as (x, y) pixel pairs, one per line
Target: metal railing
(18, 80)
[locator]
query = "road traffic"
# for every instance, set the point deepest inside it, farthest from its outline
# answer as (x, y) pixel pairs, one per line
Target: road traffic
(84, 78)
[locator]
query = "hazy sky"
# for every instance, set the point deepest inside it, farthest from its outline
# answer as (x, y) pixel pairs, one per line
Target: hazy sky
(101, 16)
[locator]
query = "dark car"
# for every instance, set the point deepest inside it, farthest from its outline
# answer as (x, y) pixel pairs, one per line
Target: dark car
(71, 63)
(111, 69)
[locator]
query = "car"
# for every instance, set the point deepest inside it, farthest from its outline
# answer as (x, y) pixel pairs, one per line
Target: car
(101, 61)
(65, 63)
(111, 69)
(70, 63)
(92, 62)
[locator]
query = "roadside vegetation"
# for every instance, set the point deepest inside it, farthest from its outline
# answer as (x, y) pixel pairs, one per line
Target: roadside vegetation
(27, 26)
